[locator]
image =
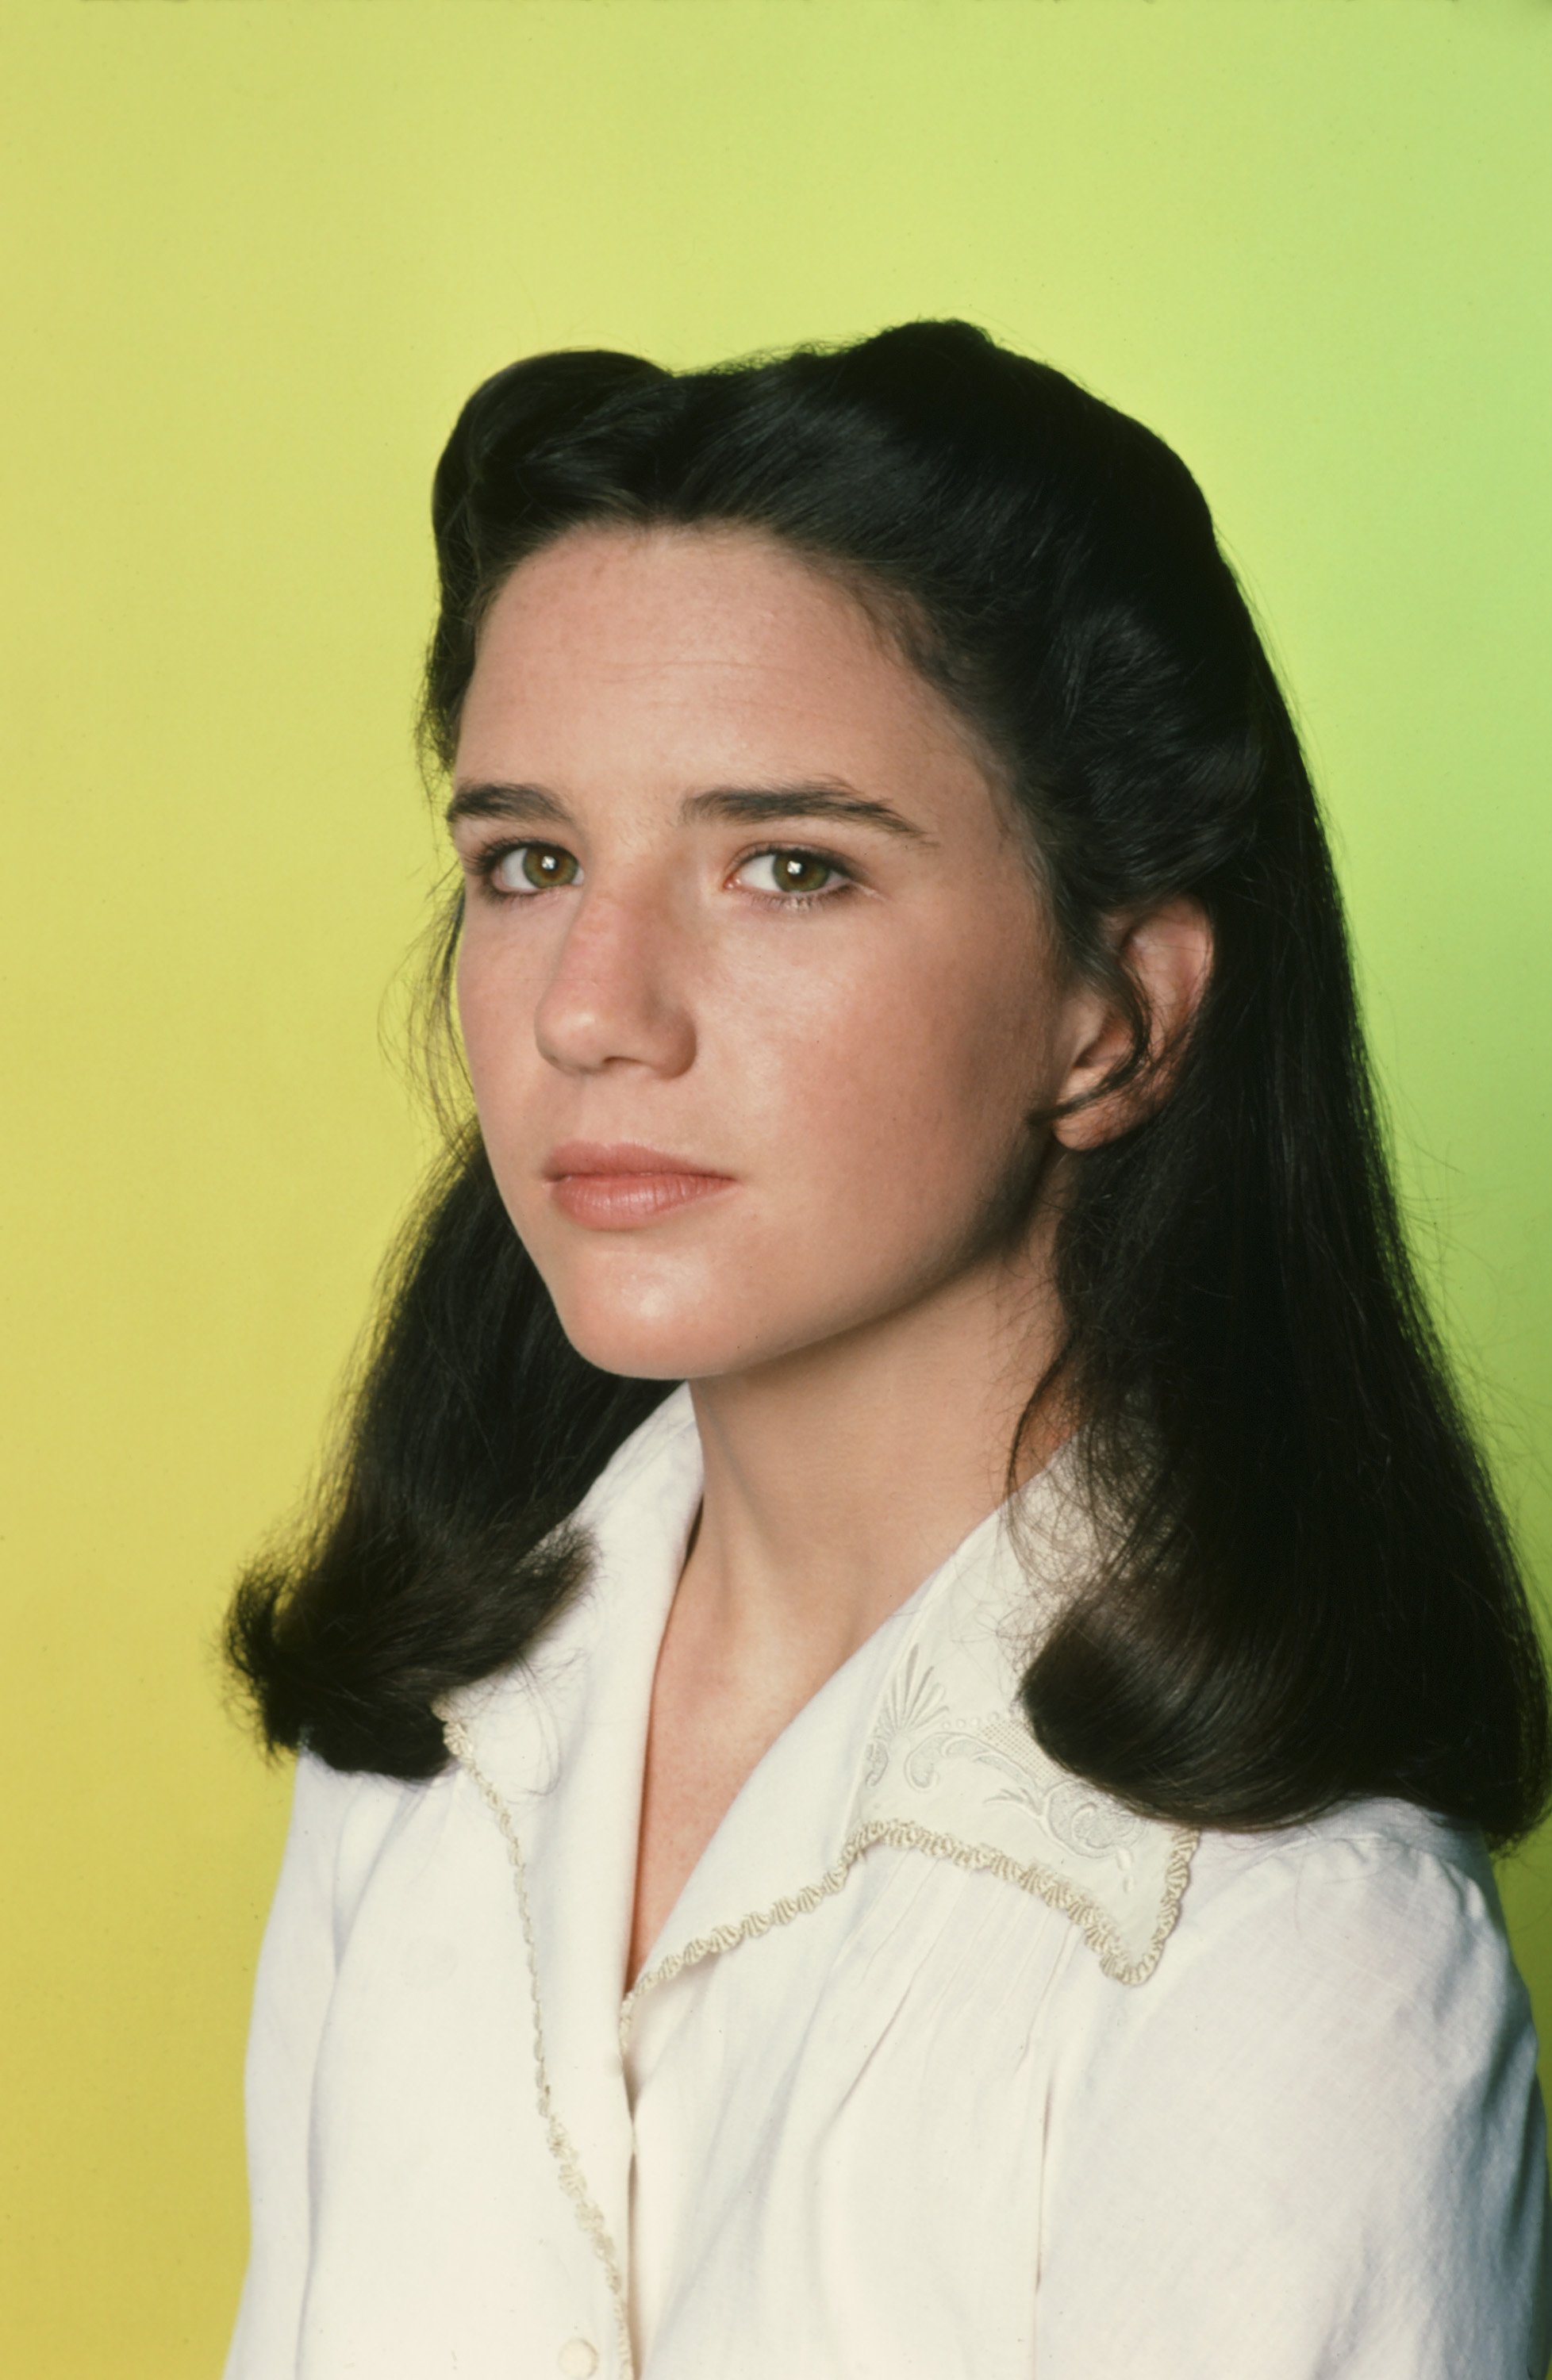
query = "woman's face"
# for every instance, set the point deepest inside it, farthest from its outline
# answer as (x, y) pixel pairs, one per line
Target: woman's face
(738, 894)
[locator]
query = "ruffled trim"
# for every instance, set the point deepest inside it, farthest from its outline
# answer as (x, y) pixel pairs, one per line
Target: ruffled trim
(1058, 1892)
(589, 2214)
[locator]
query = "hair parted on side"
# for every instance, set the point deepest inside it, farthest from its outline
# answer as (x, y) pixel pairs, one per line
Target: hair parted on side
(1307, 1589)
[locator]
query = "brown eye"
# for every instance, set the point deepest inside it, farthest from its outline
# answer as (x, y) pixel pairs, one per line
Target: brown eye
(795, 875)
(534, 868)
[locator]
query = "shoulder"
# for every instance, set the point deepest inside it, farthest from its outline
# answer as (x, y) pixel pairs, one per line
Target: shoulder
(1347, 1895)
(327, 1805)
(1362, 1957)
(1322, 2104)
(342, 1822)
(1374, 1912)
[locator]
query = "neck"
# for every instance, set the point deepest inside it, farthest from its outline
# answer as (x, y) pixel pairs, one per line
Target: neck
(838, 1478)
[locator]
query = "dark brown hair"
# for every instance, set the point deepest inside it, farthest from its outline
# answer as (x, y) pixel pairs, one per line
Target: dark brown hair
(1307, 1590)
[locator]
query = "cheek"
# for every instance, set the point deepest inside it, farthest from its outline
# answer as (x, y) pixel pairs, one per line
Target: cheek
(495, 1019)
(904, 1094)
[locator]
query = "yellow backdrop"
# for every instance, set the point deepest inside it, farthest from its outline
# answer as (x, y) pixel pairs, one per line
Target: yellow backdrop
(255, 256)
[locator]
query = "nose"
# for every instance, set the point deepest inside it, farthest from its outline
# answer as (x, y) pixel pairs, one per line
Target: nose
(617, 993)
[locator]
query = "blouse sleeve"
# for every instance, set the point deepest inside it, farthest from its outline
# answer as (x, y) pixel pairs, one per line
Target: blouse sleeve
(291, 1997)
(1311, 2146)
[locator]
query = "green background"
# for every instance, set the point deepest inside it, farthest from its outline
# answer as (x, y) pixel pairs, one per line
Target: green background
(256, 254)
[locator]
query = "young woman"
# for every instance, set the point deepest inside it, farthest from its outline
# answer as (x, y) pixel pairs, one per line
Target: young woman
(908, 1675)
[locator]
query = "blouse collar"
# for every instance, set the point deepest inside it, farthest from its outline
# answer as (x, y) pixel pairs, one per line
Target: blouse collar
(918, 1740)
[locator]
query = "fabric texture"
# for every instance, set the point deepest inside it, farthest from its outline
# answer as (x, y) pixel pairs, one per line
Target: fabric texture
(944, 2066)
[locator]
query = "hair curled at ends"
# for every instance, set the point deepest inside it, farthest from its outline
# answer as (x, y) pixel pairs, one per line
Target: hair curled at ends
(1305, 1588)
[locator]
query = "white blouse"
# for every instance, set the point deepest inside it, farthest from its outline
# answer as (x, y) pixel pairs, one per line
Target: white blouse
(944, 2067)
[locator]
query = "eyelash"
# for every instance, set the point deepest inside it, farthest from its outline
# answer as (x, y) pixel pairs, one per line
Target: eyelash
(484, 864)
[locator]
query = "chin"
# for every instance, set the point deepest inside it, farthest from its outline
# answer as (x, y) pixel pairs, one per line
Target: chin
(662, 1345)
(707, 1335)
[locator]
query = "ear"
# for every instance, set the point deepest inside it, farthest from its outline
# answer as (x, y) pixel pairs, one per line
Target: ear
(1168, 954)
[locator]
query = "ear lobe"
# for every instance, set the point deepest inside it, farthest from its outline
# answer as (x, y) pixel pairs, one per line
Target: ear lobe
(1167, 956)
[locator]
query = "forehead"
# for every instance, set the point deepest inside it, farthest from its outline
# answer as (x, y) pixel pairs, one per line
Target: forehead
(697, 647)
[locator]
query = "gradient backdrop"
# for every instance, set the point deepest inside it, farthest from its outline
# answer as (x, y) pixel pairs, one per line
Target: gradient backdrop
(255, 256)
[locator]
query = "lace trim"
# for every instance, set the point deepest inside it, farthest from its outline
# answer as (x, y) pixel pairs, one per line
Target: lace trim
(1096, 1928)
(589, 2213)
(1058, 1892)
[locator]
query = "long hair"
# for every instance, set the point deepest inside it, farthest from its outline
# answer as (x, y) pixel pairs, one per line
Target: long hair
(1305, 1588)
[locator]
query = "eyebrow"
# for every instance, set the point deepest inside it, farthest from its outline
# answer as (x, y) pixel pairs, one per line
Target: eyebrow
(756, 805)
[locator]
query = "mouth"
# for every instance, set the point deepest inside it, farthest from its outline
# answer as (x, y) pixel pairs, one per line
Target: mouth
(621, 1184)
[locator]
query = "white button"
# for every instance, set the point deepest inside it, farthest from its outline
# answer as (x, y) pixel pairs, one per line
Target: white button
(577, 2359)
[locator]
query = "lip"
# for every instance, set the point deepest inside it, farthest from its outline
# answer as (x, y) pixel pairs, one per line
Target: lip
(619, 1185)
(597, 1157)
